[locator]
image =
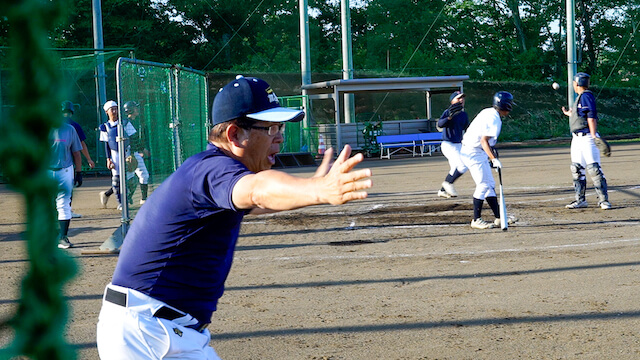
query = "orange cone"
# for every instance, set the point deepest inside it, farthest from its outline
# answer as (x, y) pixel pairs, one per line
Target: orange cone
(321, 146)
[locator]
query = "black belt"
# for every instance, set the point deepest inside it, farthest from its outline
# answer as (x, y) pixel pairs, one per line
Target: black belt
(165, 312)
(580, 133)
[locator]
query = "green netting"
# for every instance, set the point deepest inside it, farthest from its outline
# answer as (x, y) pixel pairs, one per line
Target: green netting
(173, 114)
(296, 137)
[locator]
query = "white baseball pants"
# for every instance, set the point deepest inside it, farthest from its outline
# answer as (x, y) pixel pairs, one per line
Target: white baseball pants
(64, 178)
(131, 332)
(452, 152)
(584, 150)
(478, 163)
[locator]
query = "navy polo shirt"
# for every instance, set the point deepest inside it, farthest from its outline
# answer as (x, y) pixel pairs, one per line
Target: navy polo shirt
(180, 246)
(452, 130)
(587, 105)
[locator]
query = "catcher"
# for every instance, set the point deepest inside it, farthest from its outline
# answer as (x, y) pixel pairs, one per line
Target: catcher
(586, 145)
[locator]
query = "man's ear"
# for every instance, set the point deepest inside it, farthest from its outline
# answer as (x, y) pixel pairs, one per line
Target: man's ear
(235, 135)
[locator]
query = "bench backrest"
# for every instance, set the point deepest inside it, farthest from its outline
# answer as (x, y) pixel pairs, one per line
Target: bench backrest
(433, 136)
(384, 139)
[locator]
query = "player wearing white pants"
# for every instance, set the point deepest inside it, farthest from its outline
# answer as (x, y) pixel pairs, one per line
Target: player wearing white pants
(585, 155)
(129, 318)
(65, 153)
(453, 122)
(477, 151)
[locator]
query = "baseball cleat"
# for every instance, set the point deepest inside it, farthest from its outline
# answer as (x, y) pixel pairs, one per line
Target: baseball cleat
(75, 216)
(510, 221)
(604, 205)
(119, 208)
(443, 194)
(142, 201)
(64, 243)
(104, 199)
(481, 224)
(577, 205)
(448, 187)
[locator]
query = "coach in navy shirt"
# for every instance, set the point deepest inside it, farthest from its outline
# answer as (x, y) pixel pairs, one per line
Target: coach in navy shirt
(177, 255)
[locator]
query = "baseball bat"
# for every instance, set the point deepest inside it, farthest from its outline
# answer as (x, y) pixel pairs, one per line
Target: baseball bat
(504, 221)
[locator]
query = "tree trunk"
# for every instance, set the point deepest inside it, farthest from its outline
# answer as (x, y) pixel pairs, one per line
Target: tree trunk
(514, 5)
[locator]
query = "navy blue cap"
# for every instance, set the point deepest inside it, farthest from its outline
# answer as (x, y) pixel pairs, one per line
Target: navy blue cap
(253, 98)
(456, 94)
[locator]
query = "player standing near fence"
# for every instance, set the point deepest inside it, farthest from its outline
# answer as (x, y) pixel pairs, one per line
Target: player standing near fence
(109, 135)
(178, 252)
(479, 156)
(583, 122)
(453, 122)
(65, 155)
(138, 140)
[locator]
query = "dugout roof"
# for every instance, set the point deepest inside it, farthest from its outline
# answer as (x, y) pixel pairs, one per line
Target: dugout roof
(336, 89)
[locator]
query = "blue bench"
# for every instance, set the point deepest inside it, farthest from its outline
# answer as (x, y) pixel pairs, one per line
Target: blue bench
(409, 142)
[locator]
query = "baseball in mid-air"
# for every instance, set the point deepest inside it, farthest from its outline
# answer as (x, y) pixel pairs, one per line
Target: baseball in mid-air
(555, 86)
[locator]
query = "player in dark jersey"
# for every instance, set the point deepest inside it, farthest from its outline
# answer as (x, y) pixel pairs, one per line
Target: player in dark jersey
(583, 122)
(453, 122)
(178, 252)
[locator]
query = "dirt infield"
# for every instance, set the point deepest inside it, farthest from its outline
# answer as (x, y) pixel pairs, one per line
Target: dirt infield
(401, 275)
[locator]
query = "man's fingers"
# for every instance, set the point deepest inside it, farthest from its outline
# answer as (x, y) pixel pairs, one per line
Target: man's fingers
(344, 155)
(325, 165)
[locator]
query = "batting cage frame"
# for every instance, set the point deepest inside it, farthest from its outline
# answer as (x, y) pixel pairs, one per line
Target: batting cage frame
(163, 112)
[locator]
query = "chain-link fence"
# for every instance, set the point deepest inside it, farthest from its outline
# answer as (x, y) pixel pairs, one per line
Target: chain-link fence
(167, 107)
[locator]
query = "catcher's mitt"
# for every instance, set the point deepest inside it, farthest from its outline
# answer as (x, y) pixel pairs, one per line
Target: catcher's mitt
(455, 109)
(131, 163)
(603, 146)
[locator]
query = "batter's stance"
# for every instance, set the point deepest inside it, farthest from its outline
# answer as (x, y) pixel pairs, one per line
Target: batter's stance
(453, 122)
(177, 255)
(478, 155)
(583, 122)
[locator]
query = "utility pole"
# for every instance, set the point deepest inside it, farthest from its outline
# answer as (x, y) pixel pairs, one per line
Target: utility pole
(571, 51)
(305, 62)
(98, 44)
(347, 58)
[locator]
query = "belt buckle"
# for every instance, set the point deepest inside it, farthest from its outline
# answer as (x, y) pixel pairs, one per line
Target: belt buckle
(201, 327)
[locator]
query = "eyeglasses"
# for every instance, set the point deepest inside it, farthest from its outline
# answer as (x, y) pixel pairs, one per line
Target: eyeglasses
(271, 130)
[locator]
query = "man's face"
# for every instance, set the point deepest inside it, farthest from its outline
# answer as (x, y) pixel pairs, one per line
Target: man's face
(458, 100)
(113, 113)
(261, 148)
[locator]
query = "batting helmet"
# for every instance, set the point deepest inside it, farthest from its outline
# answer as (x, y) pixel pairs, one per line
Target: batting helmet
(503, 100)
(67, 106)
(129, 106)
(582, 79)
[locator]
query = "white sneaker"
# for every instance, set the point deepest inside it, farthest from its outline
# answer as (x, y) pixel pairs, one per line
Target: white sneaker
(142, 201)
(510, 221)
(64, 243)
(448, 187)
(119, 208)
(75, 216)
(605, 205)
(443, 194)
(481, 224)
(577, 205)
(104, 199)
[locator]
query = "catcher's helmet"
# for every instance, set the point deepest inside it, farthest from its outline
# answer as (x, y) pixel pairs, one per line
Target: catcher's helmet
(129, 106)
(67, 106)
(503, 100)
(582, 79)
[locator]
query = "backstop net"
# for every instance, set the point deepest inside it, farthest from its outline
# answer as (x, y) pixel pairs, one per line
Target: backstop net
(171, 122)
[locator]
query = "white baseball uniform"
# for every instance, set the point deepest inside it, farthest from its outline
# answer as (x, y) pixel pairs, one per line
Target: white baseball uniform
(486, 123)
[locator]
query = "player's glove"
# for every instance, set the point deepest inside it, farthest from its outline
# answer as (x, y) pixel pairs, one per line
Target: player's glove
(77, 179)
(603, 146)
(455, 109)
(495, 163)
(131, 163)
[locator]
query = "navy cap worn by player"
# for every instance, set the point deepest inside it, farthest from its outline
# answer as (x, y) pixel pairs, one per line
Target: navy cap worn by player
(453, 122)
(585, 155)
(477, 153)
(178, 252)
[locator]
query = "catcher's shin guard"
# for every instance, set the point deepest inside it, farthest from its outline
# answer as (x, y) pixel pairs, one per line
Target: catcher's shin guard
(599, 181)
(115, 184)
(579, 181)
